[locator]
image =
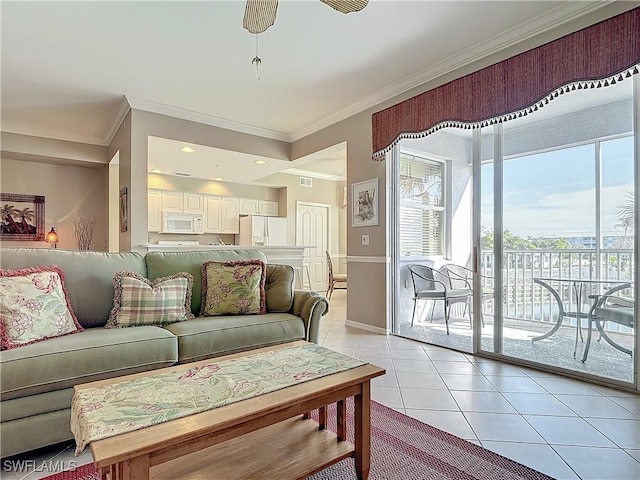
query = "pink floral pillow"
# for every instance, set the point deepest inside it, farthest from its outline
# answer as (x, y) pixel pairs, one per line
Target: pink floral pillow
(34, 306)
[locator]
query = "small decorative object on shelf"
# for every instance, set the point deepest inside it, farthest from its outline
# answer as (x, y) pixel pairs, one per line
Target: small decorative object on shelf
(83, 231)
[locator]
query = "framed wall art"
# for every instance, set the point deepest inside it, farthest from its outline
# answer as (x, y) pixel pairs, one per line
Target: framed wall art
(364, 197)
(124, 218)
(22, 217)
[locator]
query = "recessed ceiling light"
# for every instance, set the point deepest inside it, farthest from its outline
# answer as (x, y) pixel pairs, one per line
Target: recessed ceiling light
(155, 170)
(260, 162)
(187, 149)
(218, 179)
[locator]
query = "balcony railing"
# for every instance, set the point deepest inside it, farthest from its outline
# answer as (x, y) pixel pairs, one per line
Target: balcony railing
(525, 300)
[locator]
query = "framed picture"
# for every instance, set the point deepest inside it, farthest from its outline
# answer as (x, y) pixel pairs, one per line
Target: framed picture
(364, 197)
(124, 219)
(22, 217)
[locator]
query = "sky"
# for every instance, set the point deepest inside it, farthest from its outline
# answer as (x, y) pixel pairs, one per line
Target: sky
(553, 193)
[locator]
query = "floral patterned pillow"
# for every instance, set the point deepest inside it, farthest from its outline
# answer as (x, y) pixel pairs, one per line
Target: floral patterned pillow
(34, 306)
(138, 301)
(233, 288)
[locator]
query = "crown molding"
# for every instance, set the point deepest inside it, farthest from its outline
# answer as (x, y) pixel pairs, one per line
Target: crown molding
(123, 110)
(162, 109)
(52, 134)
(540, 24)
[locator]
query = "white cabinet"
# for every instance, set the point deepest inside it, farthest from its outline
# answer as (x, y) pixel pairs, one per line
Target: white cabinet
(252, 206)
(221, 214)
(182, 202)
(268, 208)
(193, 203)
(172, 201)
(229, 215)
(248, 206)
(154, 215)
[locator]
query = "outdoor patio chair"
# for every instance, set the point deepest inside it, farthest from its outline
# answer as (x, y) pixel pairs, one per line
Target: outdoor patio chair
(432, 284)
(465, 276)
(610, 307)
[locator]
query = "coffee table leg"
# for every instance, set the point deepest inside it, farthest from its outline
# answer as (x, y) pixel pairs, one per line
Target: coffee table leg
(341, 415)
(322, 417)
(363, 431)
(136, 468)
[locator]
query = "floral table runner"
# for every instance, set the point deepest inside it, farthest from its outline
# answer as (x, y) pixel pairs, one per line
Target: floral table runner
(117, 408)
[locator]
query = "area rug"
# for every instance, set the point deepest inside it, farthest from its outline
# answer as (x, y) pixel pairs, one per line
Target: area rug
(402, 448)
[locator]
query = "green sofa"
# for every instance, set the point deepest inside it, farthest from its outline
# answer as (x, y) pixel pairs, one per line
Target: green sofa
(37, 380)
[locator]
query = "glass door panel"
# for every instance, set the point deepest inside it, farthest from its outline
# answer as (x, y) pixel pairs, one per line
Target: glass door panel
(559, 190)
(432, 201)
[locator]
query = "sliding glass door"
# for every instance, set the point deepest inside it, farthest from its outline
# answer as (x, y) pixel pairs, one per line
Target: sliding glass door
(556, 244)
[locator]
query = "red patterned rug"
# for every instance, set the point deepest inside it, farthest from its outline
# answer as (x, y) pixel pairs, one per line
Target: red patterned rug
(402, 448)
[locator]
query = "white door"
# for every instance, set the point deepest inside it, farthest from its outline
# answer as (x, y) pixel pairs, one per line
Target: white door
(312, 231)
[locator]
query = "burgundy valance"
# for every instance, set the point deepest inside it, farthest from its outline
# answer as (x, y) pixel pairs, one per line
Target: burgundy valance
(598, 55)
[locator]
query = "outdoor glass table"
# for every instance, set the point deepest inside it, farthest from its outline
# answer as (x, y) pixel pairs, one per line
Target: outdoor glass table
(578, 286)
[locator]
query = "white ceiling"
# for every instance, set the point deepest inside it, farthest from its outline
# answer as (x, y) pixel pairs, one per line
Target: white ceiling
(67, 66)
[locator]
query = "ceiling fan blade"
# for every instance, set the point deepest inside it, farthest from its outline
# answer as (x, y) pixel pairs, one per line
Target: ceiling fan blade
(346, 6)
(259, 15)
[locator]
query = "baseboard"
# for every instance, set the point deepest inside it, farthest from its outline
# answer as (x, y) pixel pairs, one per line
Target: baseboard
(367, 327)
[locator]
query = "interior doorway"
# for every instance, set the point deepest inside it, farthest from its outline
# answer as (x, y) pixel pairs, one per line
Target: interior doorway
(312, 231)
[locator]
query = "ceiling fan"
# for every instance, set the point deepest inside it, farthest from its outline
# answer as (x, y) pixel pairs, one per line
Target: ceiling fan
(261, 14)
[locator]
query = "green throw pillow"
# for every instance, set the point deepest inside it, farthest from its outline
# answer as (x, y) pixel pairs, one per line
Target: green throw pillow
(233, 288)
(139, 301)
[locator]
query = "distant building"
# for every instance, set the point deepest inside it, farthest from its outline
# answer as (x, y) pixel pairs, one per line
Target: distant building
(608, 241)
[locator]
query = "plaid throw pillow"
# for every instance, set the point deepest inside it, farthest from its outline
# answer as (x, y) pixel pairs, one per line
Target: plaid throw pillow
(139, 301)
(233, 288)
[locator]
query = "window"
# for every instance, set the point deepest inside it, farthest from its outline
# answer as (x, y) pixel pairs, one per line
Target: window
(421, 210)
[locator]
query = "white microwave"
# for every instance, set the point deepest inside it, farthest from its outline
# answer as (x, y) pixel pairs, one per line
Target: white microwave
(178, 222)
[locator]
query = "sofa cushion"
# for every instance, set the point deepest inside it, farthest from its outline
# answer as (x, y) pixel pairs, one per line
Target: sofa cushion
(233, 288)
(138, 301)
(163, 264)
(34, 306)
(88, 276)
(92, 354)
(279, 288)
(206, 337)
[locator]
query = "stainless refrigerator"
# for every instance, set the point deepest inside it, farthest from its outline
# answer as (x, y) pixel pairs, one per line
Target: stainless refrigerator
(261, 230)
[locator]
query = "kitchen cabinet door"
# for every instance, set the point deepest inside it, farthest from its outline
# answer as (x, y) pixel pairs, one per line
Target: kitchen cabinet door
(154, 213)
(172, 201)
(193, 203)
(268, 208)
(212, 214)
(229, 220)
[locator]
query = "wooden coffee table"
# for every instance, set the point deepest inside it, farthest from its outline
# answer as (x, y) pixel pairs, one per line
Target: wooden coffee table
(268, 436)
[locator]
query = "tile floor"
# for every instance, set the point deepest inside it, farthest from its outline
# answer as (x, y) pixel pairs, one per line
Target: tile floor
(562, 427)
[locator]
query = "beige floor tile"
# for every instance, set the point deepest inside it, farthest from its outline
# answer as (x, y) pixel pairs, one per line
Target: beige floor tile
(599, 463)
(450, 422)
(568, 431)
(502, 427)
(539, 457)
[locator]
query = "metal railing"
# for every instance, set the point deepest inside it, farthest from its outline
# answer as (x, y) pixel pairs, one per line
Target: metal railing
(525, 300)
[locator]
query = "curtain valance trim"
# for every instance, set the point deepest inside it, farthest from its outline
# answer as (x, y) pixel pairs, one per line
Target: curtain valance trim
(595, 56)
(578, 85)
